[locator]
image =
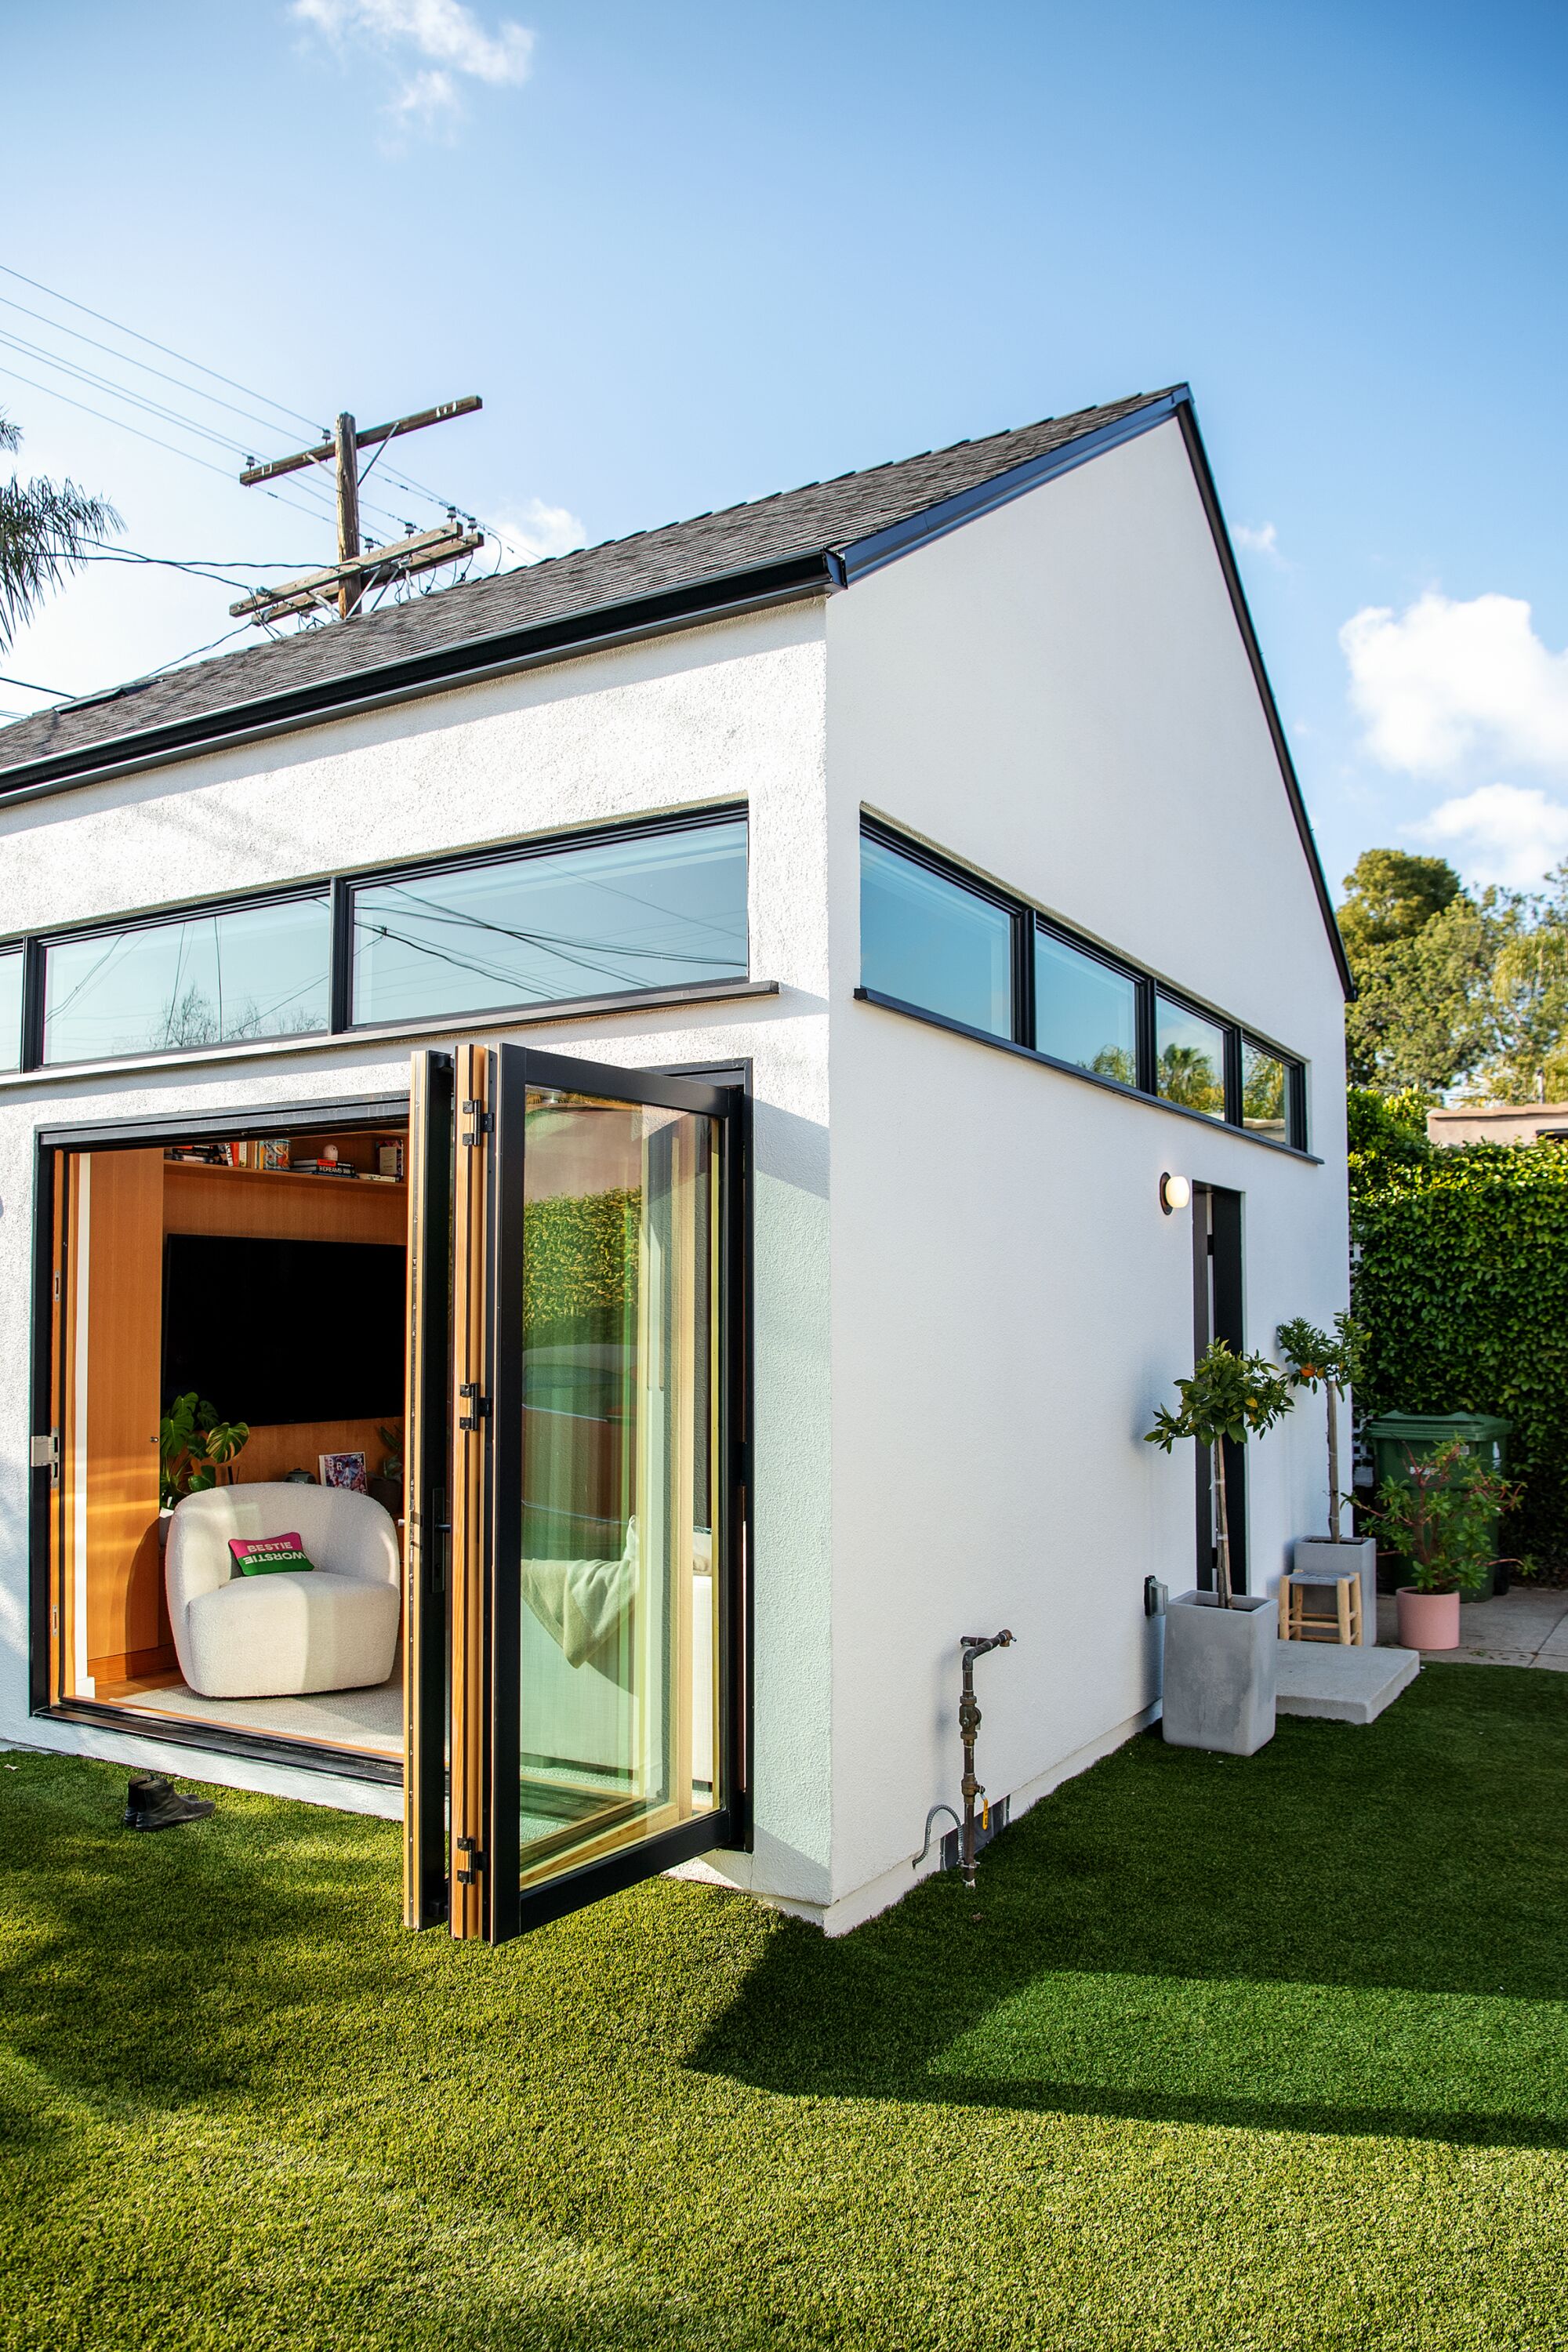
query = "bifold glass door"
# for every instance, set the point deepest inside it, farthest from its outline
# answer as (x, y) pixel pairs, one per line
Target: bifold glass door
(594, 1625)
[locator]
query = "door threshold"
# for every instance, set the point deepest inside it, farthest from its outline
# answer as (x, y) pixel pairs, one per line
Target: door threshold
(219, 1739)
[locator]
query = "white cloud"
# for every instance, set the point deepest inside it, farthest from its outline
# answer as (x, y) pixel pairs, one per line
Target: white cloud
(1446, 685)
(1265, 541)
(447, 36)
(427, 101)
(1511, 834)
(533, 531)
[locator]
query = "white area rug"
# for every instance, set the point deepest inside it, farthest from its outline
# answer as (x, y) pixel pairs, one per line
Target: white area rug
(368, 1720)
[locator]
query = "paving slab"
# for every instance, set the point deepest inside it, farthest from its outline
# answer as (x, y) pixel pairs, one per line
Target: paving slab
(1524, 1627)
(1345, 1685)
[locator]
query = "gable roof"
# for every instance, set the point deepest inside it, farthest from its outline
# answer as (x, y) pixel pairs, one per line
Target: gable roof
(812, 539)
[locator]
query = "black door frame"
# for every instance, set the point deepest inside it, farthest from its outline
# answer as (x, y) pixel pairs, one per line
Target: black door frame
(508, 1911)
(1217, 1273)
(45, 1500)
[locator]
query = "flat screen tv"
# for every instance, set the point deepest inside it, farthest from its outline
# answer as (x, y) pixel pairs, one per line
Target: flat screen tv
(272, 1331)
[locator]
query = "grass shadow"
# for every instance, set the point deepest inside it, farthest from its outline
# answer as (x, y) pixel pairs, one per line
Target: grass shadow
(1358, 1930)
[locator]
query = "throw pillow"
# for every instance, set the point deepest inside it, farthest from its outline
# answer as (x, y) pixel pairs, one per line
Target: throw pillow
(267, 1555)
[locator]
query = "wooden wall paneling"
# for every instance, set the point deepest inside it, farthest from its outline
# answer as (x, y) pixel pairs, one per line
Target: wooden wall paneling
(272, 1205)
(62, 1521)
(285, 1446)
(126, 1614)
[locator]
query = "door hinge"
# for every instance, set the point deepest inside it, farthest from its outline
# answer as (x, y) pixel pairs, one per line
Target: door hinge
(475, 1861)
(482, 1411)
(484, 1122)
(47, 1455)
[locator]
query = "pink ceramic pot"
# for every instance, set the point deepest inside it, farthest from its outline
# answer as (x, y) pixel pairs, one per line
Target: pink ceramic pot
(1428, 1620)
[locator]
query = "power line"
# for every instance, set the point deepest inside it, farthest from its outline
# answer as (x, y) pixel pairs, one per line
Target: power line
(54, 392)
(28, 684)
(104, 320)
(129, 359)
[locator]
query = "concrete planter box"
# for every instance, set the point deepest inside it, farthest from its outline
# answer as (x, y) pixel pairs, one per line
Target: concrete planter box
(1311, 1555)
(1219, 1672)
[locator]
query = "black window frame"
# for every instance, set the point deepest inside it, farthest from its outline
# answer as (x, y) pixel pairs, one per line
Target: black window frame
(338, 890)
(1021, 952)
(1028, 922)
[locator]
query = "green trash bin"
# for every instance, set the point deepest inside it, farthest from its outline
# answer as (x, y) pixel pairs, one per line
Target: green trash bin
(1396, 1436)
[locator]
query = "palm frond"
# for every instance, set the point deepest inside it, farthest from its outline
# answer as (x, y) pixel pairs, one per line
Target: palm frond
(46, 529)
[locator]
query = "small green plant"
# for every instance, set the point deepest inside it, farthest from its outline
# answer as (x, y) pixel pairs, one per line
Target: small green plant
(1227, 1396)
(392, 1467)
(194, 1444)
(1333, 1358)
(1441, 1519)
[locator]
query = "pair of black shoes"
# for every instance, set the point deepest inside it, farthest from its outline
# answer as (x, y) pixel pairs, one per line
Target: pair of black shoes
(151, 1803)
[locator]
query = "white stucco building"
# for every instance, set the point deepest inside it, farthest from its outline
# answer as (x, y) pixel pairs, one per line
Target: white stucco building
(916, 861)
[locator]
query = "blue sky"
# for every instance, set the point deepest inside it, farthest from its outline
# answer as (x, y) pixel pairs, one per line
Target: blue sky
(691, 254)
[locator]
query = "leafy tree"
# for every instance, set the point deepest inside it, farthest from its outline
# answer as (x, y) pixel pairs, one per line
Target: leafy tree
(1390, 896)
(1231, 1396)
(1335, 1358)
(45, 529)
(1422, 1015)
(1188, 1076)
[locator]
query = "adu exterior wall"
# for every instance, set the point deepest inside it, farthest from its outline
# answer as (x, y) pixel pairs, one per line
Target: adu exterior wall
(1057, 695)
(734, 711)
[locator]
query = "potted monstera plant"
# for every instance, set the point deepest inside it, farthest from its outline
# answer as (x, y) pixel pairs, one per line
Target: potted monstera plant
(194, 1446)
(1441, 1519)
(1332, 1361)
(1220, 1645)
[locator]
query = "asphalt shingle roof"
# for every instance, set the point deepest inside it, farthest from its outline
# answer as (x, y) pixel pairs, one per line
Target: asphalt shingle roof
(821, 516)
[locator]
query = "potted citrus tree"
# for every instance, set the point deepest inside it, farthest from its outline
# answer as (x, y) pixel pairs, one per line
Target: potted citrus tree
(1220, 1645)
(1332, 1361)
(1441, 1519)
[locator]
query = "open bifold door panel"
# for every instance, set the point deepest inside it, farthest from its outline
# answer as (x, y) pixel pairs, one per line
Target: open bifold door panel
(575, 1621)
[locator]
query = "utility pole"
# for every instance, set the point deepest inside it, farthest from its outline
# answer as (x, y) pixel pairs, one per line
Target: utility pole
(344, 583)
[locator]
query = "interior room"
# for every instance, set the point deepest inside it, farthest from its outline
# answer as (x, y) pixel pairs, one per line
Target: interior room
(229, 1316)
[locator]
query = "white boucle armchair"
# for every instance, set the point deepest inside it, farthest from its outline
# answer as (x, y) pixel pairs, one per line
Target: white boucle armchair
(276, 1636)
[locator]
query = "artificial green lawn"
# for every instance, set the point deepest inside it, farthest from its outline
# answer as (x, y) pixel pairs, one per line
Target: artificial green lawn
(1263, 2052)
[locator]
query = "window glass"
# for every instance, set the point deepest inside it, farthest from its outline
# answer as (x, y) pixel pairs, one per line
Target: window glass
(11, 1011)
(1085, 1011)
(1265, 1093)
(1189, 1058)
(928, 940)
(258, 972)
(652, 911)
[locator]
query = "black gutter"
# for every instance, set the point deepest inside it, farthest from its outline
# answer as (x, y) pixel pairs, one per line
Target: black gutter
(1188, 419)
(815, 571)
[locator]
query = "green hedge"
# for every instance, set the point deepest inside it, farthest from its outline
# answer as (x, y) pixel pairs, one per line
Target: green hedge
(579, 1257)
(1462, 1285)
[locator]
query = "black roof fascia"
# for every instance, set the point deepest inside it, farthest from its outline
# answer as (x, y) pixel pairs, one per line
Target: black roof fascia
(1198, 455)
(866, 555)
(815, 572)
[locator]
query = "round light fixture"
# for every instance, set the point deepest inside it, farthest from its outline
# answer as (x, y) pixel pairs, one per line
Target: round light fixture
(1175, 1193)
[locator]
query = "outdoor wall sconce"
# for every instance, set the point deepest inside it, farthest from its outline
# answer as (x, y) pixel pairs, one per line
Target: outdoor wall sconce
(1175, 1193)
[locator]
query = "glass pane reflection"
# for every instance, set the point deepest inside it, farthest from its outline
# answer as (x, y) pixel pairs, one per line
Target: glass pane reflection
(1084, 1012)
(599, 918)
(1264, 1101)
(1189, 1058)
(10, 1012)
(619, 1629)
(210, 980)
(928, 940)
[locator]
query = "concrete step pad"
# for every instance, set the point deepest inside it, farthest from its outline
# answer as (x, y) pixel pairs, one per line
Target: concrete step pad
(1347, 1685)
